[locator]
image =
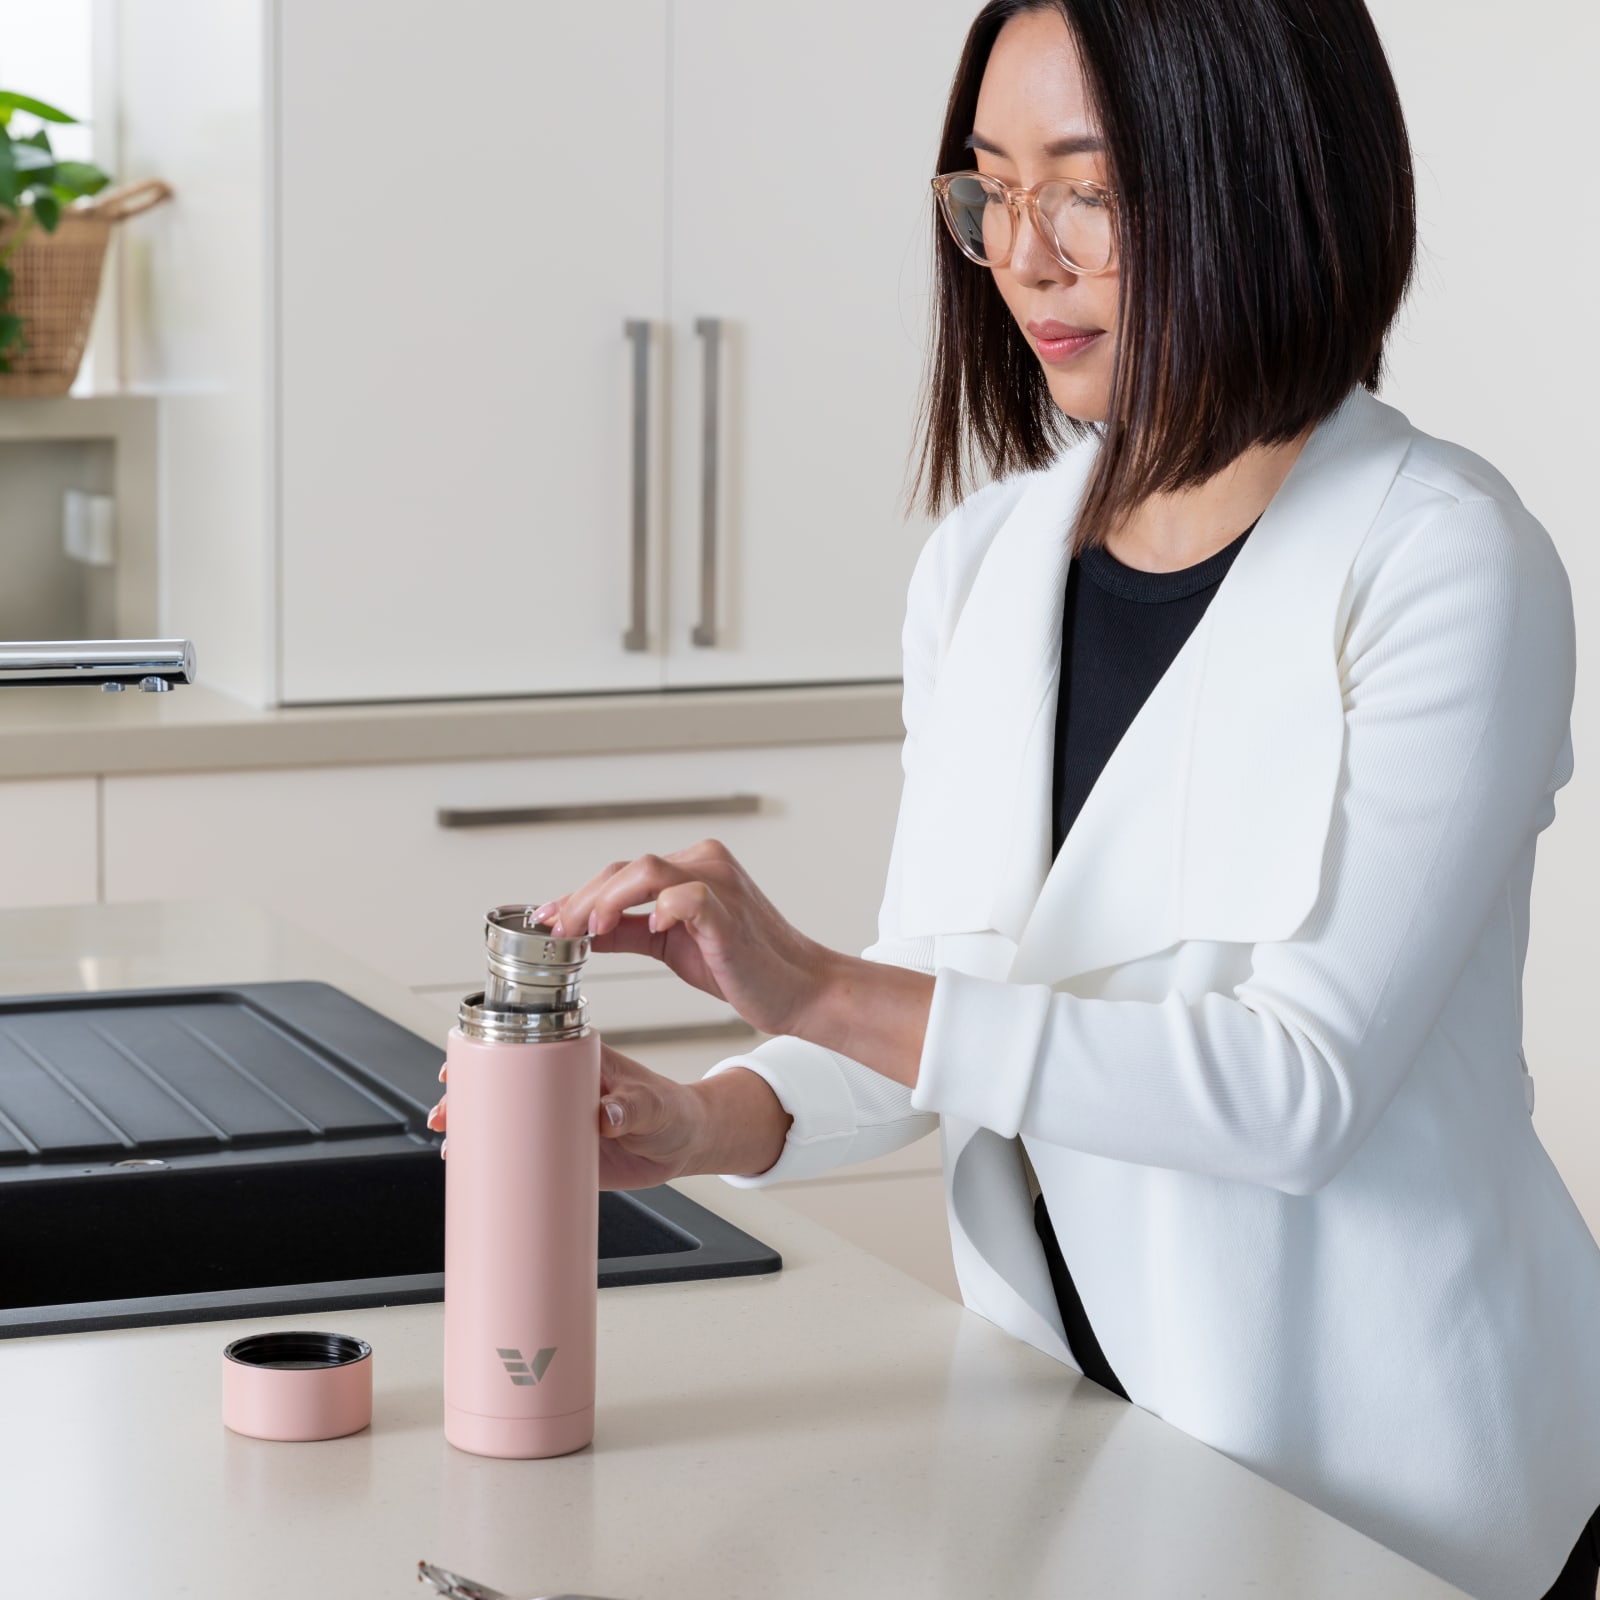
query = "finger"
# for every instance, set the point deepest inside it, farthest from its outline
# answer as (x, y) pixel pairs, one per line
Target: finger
(617, 1071)
(577, 913)
(437, 1116)
(612, 1082)
(639, 881)
(694, 904)
(614, 1070)
(631, 934)
(702, 850)
(636, 1111)
(564, 907)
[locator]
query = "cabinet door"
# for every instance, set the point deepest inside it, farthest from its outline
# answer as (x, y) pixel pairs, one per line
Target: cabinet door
(803, 141)
(469, 207)
(49, 844)
(398, 864)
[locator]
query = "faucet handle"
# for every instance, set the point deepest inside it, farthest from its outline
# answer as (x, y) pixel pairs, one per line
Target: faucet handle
(154, 665)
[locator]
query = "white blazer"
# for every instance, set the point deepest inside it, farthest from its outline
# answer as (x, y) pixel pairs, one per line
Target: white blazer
(1258, 1025)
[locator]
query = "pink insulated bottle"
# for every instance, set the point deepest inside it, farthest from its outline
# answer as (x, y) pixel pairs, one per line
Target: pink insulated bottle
(522, 1200)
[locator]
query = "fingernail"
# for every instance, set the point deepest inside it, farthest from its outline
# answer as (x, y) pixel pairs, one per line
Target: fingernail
(594, 917)
(444, 1149)
(544, 911)
(613, 1113)
(431, 1115)
(442, 1072)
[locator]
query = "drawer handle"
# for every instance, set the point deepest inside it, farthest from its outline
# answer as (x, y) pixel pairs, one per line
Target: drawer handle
(721, 805)
(637, 636)
(704, 632)
(675, 1033)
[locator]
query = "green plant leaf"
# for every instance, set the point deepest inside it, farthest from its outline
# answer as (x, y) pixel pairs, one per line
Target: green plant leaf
(10, 334)
(8, 175)
(80, 177)
(48, 210)
(37, 108)
(5, 285)
(28, 157)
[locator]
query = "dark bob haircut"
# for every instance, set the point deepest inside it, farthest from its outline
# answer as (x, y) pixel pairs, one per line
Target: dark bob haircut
(1266, 230)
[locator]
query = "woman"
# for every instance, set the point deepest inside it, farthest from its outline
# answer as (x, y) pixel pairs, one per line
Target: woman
(1229, 732)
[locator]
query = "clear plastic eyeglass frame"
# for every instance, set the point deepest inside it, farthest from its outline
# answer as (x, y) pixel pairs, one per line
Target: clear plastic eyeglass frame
(1019, 200)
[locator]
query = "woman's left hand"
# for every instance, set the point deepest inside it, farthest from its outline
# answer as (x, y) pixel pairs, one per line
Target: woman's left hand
(711, 925)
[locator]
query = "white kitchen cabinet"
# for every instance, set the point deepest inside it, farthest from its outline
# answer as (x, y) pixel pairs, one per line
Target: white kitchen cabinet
(411, 451)
(48, 850)
(802, 143)
(454, 445)
(397, 864)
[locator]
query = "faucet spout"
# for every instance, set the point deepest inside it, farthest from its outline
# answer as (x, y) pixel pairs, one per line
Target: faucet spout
(154, 665)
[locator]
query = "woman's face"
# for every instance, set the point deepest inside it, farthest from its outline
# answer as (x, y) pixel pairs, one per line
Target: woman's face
(1030, 104)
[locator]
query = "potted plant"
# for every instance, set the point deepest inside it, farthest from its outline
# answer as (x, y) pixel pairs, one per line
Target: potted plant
(55, 221)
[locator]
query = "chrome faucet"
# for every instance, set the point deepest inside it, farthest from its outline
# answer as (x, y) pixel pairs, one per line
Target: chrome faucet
(154, 665)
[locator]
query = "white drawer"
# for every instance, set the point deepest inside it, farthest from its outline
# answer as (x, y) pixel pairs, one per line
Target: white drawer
(48, 846)
(359, 855)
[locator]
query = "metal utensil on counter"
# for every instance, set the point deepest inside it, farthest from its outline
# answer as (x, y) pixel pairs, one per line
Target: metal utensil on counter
(459, 1588)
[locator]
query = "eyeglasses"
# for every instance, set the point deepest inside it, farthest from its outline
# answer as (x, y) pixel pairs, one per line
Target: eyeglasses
(1074, 217)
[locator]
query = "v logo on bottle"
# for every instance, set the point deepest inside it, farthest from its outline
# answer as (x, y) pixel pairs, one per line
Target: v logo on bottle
(520, 1371)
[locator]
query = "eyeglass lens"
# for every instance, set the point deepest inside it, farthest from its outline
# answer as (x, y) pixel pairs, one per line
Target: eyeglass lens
(983, 222)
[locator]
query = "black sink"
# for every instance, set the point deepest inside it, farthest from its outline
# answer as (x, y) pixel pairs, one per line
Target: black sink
(189, 1155)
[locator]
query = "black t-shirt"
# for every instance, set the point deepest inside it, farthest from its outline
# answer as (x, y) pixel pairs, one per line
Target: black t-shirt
(1120, 630)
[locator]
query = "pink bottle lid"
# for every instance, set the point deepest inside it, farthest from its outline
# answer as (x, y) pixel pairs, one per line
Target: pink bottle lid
(297, 1385)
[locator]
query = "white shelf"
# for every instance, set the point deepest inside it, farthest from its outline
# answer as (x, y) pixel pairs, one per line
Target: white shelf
(115, 415)
(128, 605)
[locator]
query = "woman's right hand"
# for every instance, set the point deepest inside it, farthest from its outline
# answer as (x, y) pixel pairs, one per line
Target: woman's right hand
(663, 1124)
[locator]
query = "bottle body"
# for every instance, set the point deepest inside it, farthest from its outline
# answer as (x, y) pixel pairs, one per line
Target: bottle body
(521, 1253)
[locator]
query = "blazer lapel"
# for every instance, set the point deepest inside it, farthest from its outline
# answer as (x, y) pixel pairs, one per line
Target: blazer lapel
(987, 725)
(1209, 819)
(1210, 815)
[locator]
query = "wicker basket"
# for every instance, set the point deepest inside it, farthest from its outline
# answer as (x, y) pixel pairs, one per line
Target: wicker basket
(56, 285)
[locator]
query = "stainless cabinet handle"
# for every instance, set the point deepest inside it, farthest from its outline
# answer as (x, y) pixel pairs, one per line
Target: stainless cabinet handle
(674, 1033)
(723, 805)
(637, 636)
(705, 630)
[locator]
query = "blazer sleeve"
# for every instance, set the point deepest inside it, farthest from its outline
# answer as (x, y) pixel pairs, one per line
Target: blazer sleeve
(1457, 670)
(844, 1111)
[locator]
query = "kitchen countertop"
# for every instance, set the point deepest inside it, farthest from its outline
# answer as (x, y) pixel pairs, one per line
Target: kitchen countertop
(833, 1429)
(71, 732)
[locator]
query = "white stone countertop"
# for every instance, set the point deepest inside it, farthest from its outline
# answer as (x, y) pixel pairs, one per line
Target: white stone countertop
(71, 732)
(834, 1429)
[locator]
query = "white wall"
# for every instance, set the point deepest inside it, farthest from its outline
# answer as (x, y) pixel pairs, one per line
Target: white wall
(1497, 350)
(45, 52)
